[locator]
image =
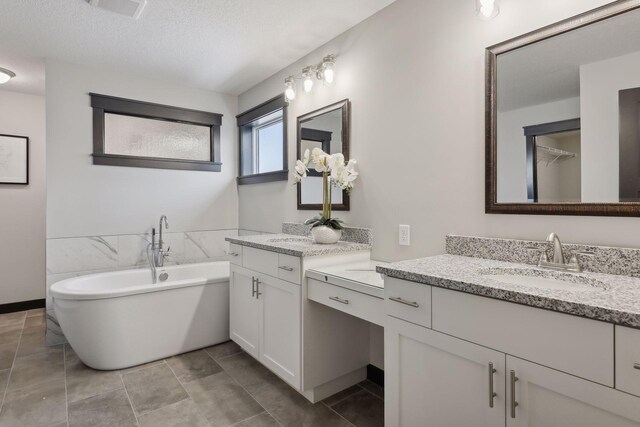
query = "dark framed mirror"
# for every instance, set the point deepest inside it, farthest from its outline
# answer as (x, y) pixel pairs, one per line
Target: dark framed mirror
(327, 129)
(562, 117)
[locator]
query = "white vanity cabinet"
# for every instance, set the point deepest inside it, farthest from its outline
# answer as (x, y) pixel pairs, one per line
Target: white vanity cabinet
(432, 379)
(538, 396)
(315, 349)
(265, 320)
(551, 369)
(244, 311)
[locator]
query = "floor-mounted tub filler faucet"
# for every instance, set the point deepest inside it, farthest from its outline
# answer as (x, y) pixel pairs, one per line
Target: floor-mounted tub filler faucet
(156, 252)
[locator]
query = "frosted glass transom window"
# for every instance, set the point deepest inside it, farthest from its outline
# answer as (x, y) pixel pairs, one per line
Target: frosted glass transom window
(141, 134)
(143, 137)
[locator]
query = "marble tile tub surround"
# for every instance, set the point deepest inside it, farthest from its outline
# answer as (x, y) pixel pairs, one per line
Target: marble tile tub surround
(349, 234)
(607, 260)
(611, 298)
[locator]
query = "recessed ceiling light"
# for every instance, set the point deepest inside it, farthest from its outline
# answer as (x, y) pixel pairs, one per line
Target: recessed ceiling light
(6, 75)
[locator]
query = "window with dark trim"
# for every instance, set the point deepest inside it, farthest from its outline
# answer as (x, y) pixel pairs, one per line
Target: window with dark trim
(262, 143)
(145, 135)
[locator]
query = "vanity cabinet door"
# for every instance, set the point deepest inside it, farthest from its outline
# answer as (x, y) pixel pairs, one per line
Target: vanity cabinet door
(280, 328)
(244, 311)
(549, 398)
(435, 380)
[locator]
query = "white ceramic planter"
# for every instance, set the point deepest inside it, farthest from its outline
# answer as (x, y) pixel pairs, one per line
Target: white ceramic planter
(325, 235)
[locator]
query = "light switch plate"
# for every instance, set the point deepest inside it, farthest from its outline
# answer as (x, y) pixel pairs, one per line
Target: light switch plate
(404, 235)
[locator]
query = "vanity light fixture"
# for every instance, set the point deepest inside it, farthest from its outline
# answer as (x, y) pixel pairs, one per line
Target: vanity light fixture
(290, 88)
(327, 68)
(307, 75)
(6, 75)
(325, 72)
(487, 9)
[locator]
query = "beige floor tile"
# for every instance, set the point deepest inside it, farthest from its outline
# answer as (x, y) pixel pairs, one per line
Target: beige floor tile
(34, 321)
(373, 388)
(262, 420)
(37, 405)
(33, 340)
(223, 350)
(36, 312)
(83, 382)
(363, 409)
(37, 368)
(8, 351)
(286, 405)
(11, 319)
(222, 400)
(183, 413)
(153, 387)
(341, 395)
(192, 366)
(109, 409)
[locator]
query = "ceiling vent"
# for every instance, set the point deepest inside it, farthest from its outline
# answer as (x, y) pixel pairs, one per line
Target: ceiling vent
(131, 8)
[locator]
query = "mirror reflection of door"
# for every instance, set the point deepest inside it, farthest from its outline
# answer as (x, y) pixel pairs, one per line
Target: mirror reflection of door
(553, 162)
(324, 131)
(629, 102)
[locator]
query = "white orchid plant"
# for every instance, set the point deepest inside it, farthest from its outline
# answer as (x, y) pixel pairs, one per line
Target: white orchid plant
(335, 172)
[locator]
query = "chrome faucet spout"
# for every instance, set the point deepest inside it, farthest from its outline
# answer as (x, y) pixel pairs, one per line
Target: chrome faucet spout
(558, 255)
(166, 225)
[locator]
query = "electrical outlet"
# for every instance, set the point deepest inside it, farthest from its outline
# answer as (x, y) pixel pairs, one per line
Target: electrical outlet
(404, 235)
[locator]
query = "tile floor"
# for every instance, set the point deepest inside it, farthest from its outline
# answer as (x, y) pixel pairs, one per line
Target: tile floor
(216, 386)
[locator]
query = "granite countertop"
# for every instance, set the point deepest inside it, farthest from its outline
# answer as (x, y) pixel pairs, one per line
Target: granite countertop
(605, 297)
(300, 246)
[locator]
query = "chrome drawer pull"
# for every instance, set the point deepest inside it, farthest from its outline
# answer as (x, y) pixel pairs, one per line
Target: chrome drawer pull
(285, 268)
(636, 366)
(258, 293)
(253, 287)
(401, 301)
(492, 394)
(233, 254)
(514, 403)
(340, 300)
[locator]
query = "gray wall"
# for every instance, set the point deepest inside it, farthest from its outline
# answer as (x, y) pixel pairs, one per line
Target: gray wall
(88, 200)
(22, 208)
(415, 75)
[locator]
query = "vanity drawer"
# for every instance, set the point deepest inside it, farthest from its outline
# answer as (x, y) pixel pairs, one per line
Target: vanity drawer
(351, 302)
(235, 254)
(575, 345)
(408, 301)
(289, 268)
(628, 360)
(260, 260)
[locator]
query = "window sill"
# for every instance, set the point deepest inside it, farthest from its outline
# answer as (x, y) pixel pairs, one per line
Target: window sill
(155, 163)
(260, 178)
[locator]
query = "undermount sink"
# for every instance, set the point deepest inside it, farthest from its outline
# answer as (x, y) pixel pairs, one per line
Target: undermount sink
(543, 279)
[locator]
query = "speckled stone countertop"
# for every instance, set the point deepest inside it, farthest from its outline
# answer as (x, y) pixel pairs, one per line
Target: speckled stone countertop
(610, 298)
(289, 244)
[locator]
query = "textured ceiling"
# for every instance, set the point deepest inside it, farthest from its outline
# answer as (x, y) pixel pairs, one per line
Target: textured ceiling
(222, 45)
(549, 70)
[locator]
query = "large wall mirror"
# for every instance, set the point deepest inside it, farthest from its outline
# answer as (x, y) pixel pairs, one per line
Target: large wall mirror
(327, 129)
(563, 117)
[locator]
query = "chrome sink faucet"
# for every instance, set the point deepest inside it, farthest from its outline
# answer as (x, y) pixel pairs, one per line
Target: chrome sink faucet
(558, 260)
(558, 253)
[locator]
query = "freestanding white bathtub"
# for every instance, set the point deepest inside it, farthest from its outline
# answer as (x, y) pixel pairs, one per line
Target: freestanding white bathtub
(120, 319)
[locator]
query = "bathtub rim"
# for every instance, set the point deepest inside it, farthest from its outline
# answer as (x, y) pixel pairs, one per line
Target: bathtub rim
(59, 291)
